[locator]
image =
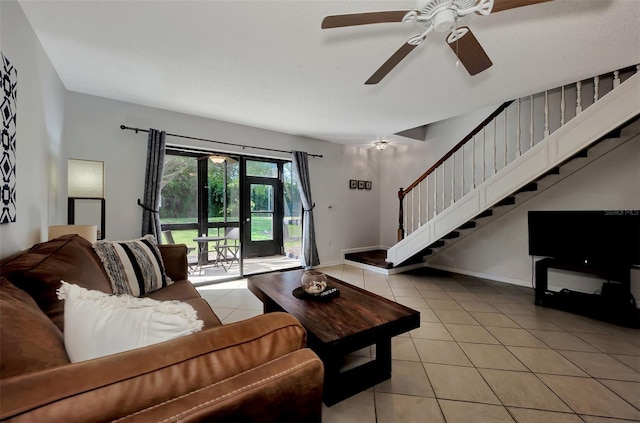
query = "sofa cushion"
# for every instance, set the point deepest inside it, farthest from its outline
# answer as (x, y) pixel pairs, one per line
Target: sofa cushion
(39, 270)
(134, 267)
(29, 341)
(185, 291)
(99, 324)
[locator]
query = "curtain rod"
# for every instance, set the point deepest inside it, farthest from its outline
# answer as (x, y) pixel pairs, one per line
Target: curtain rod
(123, 127)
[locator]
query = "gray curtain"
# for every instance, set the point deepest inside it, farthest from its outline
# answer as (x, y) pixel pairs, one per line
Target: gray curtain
(153, 184)
(300, 163)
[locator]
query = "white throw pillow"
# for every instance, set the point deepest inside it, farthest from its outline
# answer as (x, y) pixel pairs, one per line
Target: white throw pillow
(98, 324)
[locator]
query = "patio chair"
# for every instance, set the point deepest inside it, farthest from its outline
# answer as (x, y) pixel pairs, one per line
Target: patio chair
(168, 239)
(230, 247)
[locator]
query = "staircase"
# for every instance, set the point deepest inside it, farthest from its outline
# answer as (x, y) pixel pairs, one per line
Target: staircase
(525, 147)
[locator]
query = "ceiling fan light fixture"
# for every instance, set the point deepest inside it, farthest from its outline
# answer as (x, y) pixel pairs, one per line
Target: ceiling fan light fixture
(381, 145)
(444, 20)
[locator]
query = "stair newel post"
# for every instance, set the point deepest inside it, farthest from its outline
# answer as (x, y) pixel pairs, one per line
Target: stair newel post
(616, 78)
(401, 215)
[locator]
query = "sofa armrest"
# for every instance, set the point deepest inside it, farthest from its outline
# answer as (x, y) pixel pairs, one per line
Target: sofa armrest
(286, 389)
(123, 384)
(174, 257)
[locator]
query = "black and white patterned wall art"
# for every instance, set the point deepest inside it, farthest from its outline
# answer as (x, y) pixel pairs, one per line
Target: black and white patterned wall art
(9, 76)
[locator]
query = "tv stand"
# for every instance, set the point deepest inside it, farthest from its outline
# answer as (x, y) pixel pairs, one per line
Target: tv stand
(615, 303)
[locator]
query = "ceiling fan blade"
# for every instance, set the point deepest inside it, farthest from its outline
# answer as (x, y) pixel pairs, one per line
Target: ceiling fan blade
(336, 21)
(390, 63)
(471, 53)
(500, 5)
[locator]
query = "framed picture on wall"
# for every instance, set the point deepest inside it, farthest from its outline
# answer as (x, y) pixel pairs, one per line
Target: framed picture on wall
(353, 184)
(360, 184)
(367, 185)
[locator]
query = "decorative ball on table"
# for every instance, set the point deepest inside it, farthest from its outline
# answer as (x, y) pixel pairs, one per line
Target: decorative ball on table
(313, 282)
(313, 286)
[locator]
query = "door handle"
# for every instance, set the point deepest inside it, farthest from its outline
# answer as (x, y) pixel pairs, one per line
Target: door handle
(248, 219)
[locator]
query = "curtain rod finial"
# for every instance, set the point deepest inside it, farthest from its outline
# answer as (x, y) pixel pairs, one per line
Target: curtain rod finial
(123, 127)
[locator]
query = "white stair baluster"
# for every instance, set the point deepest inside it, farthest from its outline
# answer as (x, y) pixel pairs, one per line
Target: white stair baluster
(413, 205)
(506, 151)
(444, 180)
(596, 88)
(473, 162)
(435, 192)
(531, 125)
(462, 190)
(406, 214)
(519, 133)
(578, 97)
(426, 196)
(546, 114)
(562, 106)
(419, 204)
(453, 178)
(495, 146)
(484, 153)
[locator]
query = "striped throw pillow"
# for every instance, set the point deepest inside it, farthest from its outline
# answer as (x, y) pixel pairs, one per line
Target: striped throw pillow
(135, 267)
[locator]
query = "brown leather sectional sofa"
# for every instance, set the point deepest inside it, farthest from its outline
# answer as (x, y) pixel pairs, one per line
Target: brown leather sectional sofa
(257, 370)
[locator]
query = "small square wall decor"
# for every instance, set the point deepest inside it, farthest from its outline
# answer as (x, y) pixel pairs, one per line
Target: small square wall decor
(367, 185)
(353, 184)
(360, 184)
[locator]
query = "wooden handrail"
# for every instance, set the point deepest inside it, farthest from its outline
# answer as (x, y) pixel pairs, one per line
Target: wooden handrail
(456, 147)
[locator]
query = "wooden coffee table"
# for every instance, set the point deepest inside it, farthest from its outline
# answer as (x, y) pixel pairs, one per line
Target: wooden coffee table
(337, 327)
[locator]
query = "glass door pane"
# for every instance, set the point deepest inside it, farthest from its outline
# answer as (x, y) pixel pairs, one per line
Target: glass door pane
(179, 200)
(262, 201)
(292, 221)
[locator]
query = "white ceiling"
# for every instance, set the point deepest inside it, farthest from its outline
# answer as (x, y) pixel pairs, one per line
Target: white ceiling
(268, 64)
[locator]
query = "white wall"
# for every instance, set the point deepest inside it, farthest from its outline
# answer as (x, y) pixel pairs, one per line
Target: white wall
(39, 144)
(92, 132)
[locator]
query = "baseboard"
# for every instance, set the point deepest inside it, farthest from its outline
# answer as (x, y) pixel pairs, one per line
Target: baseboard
(330, 263)
(361, 249)
(381, 271)
(497, 278)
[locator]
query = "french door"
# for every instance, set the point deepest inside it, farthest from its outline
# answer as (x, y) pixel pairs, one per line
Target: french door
(262, 205)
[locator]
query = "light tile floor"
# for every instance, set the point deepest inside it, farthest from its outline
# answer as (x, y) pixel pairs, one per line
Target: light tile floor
(483, 353)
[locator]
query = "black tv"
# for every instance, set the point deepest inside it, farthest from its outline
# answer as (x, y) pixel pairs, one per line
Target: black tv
(600, 238)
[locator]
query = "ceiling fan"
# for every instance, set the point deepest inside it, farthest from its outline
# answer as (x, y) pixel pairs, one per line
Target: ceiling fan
(438, 16)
